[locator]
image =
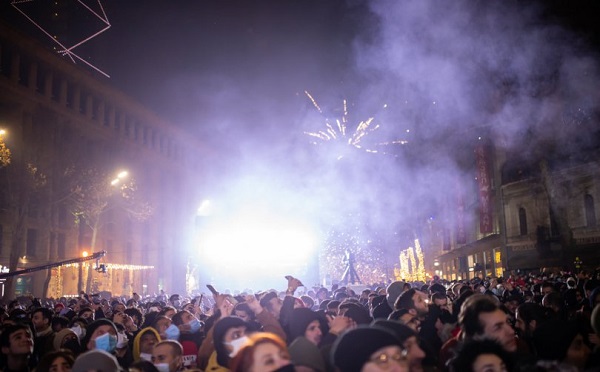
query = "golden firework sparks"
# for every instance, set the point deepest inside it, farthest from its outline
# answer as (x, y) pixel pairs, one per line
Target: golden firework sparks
(338, 132)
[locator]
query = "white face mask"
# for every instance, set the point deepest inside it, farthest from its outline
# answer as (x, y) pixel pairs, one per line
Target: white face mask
(162, 367)
(80, 332)
(236, 345)
(146, 356)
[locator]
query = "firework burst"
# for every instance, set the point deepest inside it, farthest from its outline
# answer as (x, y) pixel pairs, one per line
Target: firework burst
(338, 131)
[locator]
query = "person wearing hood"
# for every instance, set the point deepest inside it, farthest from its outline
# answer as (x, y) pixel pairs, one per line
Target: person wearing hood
(230, 334)
(67, 339)
(143, 343)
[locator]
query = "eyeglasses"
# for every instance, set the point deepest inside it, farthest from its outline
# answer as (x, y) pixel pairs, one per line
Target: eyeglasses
(384, 360)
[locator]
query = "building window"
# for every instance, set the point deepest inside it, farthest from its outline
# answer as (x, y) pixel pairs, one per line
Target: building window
(62, 243)
(522, 222)
(590, 211)
(31, 242)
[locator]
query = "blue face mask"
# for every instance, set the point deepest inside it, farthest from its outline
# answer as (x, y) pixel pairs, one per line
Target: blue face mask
(172, 332)
(106, 342)
(195, 326)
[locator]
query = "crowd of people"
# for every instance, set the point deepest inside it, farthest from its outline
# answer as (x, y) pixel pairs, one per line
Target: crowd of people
(533, 322)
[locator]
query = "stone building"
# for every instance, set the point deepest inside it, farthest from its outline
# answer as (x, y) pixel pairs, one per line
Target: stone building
(59, 118)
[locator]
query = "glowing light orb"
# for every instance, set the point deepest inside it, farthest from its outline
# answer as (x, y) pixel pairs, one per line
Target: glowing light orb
(256, 250)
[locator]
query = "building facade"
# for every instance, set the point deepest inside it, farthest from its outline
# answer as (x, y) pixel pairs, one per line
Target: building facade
(543, 216)
(59, 121)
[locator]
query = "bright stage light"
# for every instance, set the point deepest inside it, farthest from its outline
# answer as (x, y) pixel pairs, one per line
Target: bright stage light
(256, 252)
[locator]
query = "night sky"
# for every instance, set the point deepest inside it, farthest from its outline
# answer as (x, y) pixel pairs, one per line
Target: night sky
(438, 75)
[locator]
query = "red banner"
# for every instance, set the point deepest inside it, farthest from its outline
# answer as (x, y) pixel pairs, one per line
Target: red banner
(483, 180)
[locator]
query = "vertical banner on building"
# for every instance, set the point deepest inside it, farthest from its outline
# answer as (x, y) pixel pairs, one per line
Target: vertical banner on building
(483, 180)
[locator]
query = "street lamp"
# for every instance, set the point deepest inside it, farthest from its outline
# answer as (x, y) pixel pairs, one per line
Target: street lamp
(122, 175)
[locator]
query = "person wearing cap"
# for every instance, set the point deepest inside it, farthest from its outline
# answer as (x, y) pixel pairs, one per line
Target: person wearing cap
(368, 349)
(16, 344)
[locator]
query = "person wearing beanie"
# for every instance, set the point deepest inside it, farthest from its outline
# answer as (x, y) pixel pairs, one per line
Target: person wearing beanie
(306, 354)
(100, 334)
(368, 348)
(96, 360)
(143, 343)
(561, 341)
(408, 340)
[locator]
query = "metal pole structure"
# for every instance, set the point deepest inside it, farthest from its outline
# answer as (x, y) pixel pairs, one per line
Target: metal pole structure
(93, 256)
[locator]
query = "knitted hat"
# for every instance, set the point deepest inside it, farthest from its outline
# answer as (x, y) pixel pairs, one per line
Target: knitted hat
(353, 349)
(553, 338)
(91, 328)
(299, 320)
(394, 290)
(98, 360)
(306, 354)
(60, 336)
